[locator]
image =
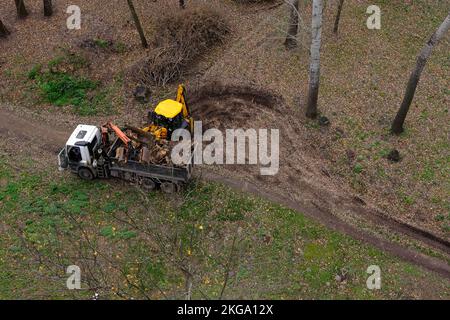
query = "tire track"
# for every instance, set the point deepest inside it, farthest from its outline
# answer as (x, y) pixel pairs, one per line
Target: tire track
(23, 128)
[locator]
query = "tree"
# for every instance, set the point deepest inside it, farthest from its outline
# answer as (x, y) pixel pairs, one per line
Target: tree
(3, 31)
(291, 39)
(338, 16)
(314, 72)
(397, 124)
(182, 4)
(21, 9)
(138, 24)
(48, 9)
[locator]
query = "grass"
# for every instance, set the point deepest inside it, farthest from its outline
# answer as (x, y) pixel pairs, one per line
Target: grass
(61, 89)
(102, 43)
(61, 84)
(108, 45)
(137, 245)
(364, 78)
(380, 72)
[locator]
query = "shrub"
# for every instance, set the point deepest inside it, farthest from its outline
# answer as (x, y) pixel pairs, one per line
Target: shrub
(181, 37)
(358, 168)
(34, 72)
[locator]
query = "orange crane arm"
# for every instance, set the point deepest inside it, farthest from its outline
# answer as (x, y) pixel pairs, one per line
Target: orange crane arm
(120, 134)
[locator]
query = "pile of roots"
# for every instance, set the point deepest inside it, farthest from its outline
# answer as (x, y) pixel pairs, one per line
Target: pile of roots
(181, 37)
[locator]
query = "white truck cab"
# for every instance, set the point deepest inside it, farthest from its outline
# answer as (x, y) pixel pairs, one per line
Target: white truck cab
(78, 153)
(91, 153)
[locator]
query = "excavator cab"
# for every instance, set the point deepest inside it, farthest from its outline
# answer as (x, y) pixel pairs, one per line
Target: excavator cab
(170, 115)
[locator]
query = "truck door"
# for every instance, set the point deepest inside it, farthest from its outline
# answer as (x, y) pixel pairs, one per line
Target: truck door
(63, 162)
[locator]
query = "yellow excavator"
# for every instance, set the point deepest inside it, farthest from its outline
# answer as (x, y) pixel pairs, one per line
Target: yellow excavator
(170, 115)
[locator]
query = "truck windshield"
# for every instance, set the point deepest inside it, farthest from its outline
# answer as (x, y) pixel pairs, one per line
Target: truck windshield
(74, 154)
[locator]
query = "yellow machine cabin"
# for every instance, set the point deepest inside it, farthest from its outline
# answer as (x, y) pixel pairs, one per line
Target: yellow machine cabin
(170, 115)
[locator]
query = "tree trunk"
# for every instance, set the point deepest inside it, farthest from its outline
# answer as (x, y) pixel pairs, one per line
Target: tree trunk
(48, 9)
(338, 16)
(314, 72)
(21, 10)
(397, 124)
(3, 31)
(138, 24)
(291, 39)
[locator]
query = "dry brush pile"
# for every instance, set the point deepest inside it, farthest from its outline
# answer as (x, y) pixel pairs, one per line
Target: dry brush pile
(181, 37)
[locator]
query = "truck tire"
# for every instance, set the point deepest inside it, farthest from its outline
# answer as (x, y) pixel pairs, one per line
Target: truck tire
(148, 184)
(85, 173)
(169, 187)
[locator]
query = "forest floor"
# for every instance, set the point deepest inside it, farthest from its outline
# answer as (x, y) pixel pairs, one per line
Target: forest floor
(213, 239)
(340, 170)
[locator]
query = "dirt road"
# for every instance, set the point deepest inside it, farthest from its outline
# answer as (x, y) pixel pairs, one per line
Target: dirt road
(300, 184)
(30, 130)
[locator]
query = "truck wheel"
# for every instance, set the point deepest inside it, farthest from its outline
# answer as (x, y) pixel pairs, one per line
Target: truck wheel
(148, 184)
(85, 174)
(169, 187)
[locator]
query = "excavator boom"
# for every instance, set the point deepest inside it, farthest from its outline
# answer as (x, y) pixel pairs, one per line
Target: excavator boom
(120, 134)
(170, 115)
(181, 98)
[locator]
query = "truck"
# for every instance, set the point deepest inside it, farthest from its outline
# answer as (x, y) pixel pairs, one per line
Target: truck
(89, 154)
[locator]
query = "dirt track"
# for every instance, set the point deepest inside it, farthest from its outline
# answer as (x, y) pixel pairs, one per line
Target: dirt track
(300, 184)
(26, 129)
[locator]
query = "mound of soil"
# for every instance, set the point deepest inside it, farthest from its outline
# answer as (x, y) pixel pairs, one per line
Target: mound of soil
(226, 107)
(218, 91)
(234, 107)
(100, 45)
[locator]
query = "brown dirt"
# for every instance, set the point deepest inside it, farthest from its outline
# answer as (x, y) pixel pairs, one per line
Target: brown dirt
(299, 177)
(361, 90)
(312, 174)
(301, 184)
(30, 130)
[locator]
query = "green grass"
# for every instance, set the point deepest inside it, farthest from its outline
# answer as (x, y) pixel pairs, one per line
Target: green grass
(61, 89)
(101, 43)
(143, 242)
(117, 47)
(358, 168)
(61, 84)
(68, 58)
